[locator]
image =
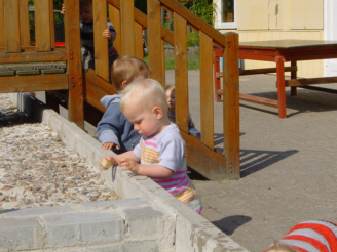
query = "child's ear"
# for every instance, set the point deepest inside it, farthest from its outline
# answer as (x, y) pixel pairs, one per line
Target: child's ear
(158, 112)
(123, 84)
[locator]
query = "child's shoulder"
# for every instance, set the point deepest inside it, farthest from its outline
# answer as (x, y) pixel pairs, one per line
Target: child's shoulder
(109, 99)
(171, 132)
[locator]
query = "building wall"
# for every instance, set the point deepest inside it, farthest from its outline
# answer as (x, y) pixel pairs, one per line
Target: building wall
(281, 19)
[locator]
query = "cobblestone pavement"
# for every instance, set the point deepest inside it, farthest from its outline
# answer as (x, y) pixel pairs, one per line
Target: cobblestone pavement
(37, 169)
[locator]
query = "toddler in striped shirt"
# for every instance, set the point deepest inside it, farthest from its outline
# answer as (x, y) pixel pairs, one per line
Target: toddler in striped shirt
(160, 152)
(308, 236)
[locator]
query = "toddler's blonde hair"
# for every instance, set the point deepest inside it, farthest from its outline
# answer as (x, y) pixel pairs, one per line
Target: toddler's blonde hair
(148, 93)
(277, 247)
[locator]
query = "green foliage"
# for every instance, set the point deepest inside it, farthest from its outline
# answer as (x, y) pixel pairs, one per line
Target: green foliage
(202, 8)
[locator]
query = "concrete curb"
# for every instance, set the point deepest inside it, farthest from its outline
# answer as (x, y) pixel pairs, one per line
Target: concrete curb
(192, 231)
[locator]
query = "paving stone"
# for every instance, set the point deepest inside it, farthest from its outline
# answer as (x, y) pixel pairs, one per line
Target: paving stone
(20, 234)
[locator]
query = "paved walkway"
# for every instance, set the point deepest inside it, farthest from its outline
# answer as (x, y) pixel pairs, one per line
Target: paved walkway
(288, 167)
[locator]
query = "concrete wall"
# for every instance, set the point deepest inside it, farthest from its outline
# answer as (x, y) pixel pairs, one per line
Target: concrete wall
(189, 232)
(258, 20)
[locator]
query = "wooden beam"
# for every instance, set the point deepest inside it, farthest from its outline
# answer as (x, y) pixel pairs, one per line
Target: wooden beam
(264, 71)
(156, 54)
(259, 99)
(139, 41)
(311, 81)
(115, 19)
(24, 23)
(2, 27)
(58, 54)
(12, 25)
(231, 106)
(206, 90)
(42, 25)
(127, 16)
(181, 72)
(203, 159)
(99, 8)
(33, 83)
(73, 47)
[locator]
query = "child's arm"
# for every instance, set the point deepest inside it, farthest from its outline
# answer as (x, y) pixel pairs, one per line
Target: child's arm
(151, 170)
(109, 32)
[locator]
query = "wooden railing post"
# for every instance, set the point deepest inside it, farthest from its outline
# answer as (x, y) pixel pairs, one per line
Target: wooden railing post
(127, 15)
(12, 25)
(115, 19)
(101, 44)
(181, 72)
(231, 106)
(43, 29)
(73, 47)
(155, 44)
(24, 23)
(206, 92)
(2, 28)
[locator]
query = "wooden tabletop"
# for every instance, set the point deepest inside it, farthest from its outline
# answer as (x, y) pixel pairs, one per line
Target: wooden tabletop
(282, 44)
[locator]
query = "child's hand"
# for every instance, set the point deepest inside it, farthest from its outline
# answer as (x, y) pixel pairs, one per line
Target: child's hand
(107, 33)
(130, 164)
(110, 146)
(63, 10)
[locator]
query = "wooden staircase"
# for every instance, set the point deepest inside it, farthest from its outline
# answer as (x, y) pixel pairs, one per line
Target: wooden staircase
(130, 25)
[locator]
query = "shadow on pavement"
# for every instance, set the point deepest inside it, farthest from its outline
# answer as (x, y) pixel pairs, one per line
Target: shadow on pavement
(252, 160)
(230, 223)
(305, 101)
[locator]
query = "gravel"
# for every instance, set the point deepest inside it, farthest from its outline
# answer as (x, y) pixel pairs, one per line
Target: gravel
(37, 169)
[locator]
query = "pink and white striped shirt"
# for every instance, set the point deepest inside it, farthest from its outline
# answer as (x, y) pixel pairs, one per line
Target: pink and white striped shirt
(166, 149)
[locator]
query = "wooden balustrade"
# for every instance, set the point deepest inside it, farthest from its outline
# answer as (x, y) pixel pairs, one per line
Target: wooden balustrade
(200, 152)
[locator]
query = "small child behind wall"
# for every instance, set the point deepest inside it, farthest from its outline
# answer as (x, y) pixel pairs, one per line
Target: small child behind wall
(160, 153)
(114, 130)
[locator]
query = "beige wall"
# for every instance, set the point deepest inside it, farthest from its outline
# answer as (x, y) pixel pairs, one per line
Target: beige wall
(281, 19)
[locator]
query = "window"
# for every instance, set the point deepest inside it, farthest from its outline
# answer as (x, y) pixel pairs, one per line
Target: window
(225, 14)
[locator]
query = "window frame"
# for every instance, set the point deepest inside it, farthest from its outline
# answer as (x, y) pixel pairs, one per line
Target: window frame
(218, 17)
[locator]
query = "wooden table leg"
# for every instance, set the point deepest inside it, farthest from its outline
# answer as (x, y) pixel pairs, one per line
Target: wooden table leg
(293, 90)
(281, 87)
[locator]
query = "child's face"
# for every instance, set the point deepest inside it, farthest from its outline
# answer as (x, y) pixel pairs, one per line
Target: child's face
(86, 14)
(146, 122)
(170, 98)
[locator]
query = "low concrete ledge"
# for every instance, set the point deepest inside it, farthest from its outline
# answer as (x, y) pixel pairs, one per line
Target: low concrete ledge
(192, 231)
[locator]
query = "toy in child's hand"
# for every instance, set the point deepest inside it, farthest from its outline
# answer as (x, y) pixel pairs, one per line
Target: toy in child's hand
(107, 163)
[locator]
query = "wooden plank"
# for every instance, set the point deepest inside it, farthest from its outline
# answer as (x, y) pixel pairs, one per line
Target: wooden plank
(231, 106)
(206, 90)
(139, 41)
(115, 20)
(141, 19)
(2, 28)
(96, 88)
(73, 47)
(264, 71)
(51, 24)
(99, 8)
(33, 83)
(322, 89)
(58, 54)
(127, 27)
(12, 26)
(204, 160)
(42, 25)
(181, 72)
(259, 99)
(24, 23)
(156, 55)
(310, 81)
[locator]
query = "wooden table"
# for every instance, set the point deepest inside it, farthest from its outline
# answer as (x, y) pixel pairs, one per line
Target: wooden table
(281, 51)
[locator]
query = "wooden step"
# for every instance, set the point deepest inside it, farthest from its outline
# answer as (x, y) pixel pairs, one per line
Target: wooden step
(35, 68)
